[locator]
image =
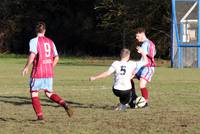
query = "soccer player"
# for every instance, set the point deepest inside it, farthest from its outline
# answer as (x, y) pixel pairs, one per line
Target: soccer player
(123, 70)
(44, 56)
(145, 73)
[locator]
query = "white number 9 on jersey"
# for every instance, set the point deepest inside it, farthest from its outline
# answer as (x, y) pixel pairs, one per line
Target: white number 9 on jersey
(47, 49)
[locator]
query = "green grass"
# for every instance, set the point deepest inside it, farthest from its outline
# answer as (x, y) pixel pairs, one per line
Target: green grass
(174, 102)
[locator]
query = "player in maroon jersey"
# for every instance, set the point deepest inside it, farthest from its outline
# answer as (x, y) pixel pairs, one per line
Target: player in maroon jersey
(145, 73)
(44, 56)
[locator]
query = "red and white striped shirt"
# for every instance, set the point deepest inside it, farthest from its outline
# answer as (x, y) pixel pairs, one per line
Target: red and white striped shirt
(45, 51)
(149, 48)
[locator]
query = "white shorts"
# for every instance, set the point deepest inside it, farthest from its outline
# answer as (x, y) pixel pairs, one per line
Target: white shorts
(145, 73)
(38, 84)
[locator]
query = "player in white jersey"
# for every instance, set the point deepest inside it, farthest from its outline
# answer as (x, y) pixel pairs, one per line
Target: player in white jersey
(123, 70)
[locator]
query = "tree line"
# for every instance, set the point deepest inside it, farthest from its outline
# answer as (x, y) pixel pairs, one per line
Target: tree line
(85, 27)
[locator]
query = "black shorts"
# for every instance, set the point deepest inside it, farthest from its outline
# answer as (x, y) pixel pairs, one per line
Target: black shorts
(124, 95)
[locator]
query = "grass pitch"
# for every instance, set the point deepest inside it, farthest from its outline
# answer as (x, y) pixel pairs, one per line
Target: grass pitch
(174, 102)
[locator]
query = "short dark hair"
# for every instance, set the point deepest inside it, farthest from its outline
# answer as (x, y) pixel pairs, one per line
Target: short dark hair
(140, 30)
(40, 27)
(125, 52)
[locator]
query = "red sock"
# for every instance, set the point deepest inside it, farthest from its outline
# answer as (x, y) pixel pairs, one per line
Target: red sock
(145, 93)
(37, 106)
(57, 99)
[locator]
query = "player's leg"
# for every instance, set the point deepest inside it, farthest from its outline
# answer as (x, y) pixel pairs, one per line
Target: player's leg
(36, 105)
(144, 91)
(47, 85)
(116, 93)
(144, 76)
(133, 95)
(34, 90)
(143, 88)
(124, 98)
(57, 99)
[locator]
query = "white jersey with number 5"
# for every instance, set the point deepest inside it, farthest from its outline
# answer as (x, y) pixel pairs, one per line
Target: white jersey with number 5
(123, 71)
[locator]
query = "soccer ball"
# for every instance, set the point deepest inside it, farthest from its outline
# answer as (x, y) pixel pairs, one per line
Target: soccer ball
(140, 102)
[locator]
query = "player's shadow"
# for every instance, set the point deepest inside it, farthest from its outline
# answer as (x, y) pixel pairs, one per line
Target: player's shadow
(19, 100)
(7, 119)
(92, 106)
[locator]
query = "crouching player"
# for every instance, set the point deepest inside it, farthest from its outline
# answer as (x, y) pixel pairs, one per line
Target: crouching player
(123, 70)
(44, 56)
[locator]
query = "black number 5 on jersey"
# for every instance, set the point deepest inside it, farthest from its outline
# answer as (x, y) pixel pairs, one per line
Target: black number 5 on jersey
(123, 70)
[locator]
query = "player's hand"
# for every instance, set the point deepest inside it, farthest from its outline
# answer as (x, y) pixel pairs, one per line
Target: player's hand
(139, 49)
(25, 71)
(133, 75)
(92, 78)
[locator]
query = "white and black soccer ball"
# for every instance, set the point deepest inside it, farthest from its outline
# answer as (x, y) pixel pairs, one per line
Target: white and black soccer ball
(140, 102)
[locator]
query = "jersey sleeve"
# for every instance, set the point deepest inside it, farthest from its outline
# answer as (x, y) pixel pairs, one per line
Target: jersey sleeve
(112, 68)
(33, 46)
(55, 50)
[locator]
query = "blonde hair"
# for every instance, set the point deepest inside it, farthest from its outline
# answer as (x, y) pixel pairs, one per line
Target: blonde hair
(125, 52)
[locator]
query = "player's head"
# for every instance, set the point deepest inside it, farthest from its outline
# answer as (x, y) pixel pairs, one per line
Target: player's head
(140, 34)
(40, 28)
(125, 53)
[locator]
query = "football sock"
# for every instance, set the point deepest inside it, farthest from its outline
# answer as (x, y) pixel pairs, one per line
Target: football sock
(134, 95)
(145, 93)
(37, 106)
(57, 99)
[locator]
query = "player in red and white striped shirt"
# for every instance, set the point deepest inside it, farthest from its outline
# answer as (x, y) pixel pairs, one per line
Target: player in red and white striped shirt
(145, 73)
(44, 56)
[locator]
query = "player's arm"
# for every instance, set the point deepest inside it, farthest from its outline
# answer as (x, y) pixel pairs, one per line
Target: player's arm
(132, 76)
(101, 75)
(33, 52)
(55, 60)
(56, 57)
(28, 63)
(144, 54)
(145, 47)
